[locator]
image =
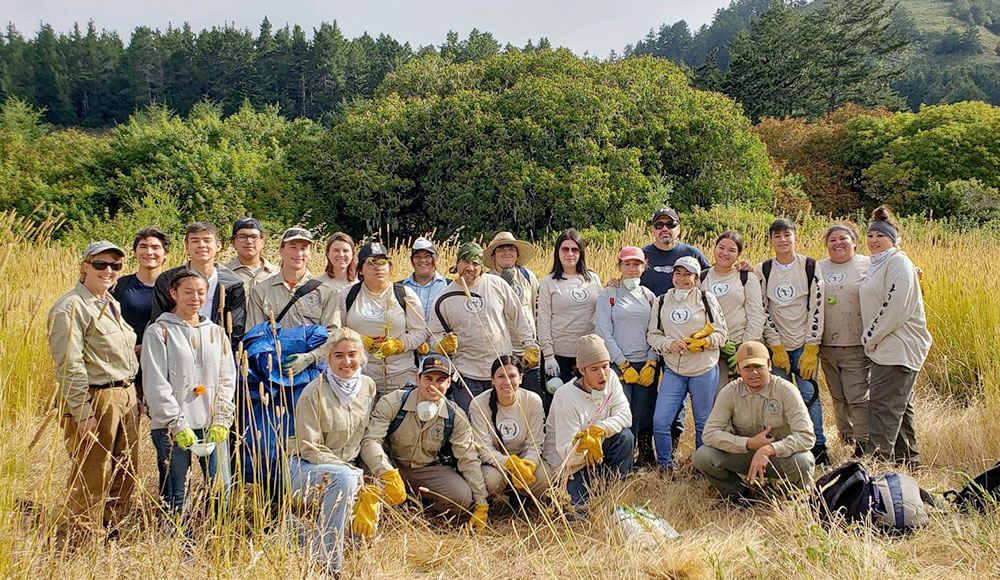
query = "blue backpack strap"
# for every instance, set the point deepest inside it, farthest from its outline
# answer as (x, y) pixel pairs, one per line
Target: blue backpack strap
(524, 272)
(400, 414)
(896, 493)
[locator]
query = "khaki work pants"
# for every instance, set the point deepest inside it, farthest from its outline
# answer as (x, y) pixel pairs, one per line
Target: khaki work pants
(846, 369)
(497, 482)
(445, 487)
(103, 474)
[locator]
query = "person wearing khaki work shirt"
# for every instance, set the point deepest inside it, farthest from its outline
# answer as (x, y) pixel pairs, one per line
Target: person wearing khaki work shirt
(250, 264)
(409, 431)
(758, 428)
(93, 350)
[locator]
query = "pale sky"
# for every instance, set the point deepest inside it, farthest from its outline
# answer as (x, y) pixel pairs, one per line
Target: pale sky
(597, 26)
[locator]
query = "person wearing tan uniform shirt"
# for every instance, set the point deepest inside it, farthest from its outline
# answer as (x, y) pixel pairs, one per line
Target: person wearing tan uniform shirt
(483, 320)
(250, 264)
(738, 293)
(318, 307)
(895, 338)
(391, 329)
(331, 416)
(687, 328)
(409, 430)
(509, 424)
(567, 302)
(93, 349)
(794, 293)
(758, 428)
(341, 263)
(845, 364)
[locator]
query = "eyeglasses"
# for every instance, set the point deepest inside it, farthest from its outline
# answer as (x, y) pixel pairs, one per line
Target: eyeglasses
(507, 247)
(249, 237)
(660, 225)
(102, 265)
(378, 262)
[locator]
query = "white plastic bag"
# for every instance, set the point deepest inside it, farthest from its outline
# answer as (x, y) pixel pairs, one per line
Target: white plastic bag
(643, 527)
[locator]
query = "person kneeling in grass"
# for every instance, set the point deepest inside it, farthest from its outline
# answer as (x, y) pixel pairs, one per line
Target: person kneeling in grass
(430, 440)
(758, 428)
(587, 433)
(330, 421)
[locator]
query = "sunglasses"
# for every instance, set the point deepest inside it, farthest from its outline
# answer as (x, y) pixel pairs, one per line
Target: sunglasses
(661, 225)
(378, 262)
(102, 265)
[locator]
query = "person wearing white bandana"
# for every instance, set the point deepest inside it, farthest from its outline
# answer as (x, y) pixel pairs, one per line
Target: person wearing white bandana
(331, 416)
(895, 338)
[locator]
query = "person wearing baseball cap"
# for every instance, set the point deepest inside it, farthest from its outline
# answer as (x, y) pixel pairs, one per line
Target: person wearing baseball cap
(250, 264)
(475, 318)
(428, 438)
(622, 318)
(389, 317)
(315, 304)
(758, 428)
(665, 250)
(93, 349)
(587, 435)
(425, 280)
(687, 328)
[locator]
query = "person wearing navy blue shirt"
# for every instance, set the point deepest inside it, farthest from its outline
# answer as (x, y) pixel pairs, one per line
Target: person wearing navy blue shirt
(135, 291)
(666, 248)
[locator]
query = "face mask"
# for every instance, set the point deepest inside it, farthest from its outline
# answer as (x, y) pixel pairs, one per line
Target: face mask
(630, 283)
(681, 295)
(597, 396)
(426, 410)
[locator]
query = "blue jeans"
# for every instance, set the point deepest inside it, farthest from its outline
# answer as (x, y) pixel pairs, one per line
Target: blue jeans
(807, 389)
(641, 401)
(172, 465)
(332, 488)
(674, 388)
(618, 450)
(462, 397)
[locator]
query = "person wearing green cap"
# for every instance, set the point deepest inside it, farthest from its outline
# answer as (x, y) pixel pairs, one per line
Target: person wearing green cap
(476, 318)
(93, 349)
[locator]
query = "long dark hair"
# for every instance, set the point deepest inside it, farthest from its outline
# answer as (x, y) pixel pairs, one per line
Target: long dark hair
(506, 360)
(735, 237)
(352, 266)
(181, 275)
(581, 265)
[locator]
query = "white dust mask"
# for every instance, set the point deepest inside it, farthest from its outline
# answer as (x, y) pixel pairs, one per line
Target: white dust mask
(630, 283)
(426, 410)
(681, 295)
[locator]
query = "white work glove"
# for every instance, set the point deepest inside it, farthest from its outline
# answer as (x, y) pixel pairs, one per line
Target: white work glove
(296, 363)
(551, 367)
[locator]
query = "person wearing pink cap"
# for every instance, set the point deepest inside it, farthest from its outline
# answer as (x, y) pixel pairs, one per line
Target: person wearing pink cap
(622, 315)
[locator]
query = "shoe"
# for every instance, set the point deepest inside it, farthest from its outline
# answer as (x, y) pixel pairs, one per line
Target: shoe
(820, 455)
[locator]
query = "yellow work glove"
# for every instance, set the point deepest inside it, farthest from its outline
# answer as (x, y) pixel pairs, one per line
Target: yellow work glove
(369, 342)
(448, 344)
(808, 361)
(531, 357)
(696, 344)
(705, 331)
(648, 374)
(779, 357)
(389, 347)
(365, 512)
(217, 434)
(479, 514)
(588, 442)
(629, 376)
(522, 472)
(395, 491)
(423, 349)
(185, 439)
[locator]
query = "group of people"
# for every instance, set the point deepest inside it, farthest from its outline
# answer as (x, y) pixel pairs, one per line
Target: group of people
(451, 392)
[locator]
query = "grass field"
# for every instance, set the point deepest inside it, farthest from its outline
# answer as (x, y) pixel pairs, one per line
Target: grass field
(958, 406)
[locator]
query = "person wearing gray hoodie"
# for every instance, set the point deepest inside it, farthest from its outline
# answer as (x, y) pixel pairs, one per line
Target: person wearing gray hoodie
(190, 379)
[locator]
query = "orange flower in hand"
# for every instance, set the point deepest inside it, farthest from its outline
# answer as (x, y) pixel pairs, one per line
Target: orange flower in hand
(199, 390)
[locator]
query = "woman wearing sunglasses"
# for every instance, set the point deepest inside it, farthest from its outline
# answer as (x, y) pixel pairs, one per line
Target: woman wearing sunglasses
(95, 363)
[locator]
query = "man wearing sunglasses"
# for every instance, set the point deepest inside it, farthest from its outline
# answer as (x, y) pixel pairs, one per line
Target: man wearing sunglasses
(665, 250)
(250, 264)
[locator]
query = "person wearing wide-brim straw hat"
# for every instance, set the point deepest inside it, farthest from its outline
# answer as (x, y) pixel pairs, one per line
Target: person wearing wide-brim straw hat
(93, 348)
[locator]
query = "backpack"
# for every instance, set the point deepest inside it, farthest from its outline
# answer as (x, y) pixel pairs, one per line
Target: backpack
(982, 493)
(810, 276)
(445, 454)
(659, 309)
(398, 290)
(744, 275)
(893, 502)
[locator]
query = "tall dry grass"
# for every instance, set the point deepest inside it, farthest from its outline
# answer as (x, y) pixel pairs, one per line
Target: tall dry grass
(957, 418)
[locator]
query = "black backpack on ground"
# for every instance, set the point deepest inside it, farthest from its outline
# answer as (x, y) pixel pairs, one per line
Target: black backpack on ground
(981, 493)
(893, 502)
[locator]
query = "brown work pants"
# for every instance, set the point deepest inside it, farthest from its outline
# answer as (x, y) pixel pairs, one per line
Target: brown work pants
(103, 473)
(444, 486)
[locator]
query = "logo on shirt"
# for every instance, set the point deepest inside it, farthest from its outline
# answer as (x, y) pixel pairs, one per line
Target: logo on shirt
(518, 291)
(835, 278)
(474, 304)
(773, 407)
(785, 292)
(579, 294)
(508, 429)
(664, 269)
(437, 433)
(721, 288)
(680, 315)
(371, 311)
(311, 299)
